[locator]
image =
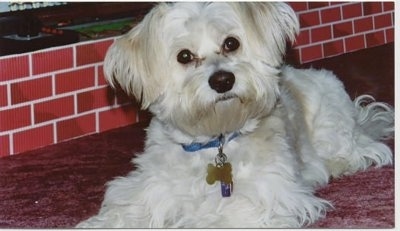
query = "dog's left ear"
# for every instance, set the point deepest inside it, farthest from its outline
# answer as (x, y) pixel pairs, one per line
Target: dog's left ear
(135, 61)
(269, 25)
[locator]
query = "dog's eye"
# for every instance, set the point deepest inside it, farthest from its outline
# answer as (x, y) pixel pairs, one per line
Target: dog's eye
(185, 56)
(230, 44)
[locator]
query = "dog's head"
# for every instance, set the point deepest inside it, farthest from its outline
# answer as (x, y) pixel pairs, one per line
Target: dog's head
(205, 68)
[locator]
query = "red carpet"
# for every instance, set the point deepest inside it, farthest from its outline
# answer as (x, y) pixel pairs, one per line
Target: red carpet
(62, 184)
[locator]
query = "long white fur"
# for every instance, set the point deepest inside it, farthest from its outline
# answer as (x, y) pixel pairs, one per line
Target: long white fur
(298, 127)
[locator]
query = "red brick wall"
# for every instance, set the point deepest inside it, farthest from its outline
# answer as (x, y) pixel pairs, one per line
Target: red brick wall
(333, 28)
(57, 94)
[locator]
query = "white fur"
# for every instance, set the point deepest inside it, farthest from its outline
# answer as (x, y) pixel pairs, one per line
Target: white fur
(298, 127)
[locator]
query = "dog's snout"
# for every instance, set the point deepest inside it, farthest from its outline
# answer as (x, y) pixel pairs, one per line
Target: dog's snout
(221, 81)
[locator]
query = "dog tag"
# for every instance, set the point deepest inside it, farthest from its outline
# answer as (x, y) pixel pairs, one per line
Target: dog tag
(222, 173)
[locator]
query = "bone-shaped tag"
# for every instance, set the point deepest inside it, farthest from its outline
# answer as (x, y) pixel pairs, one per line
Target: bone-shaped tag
(221, 173)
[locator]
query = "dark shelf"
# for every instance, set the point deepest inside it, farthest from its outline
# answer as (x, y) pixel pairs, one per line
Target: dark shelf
(27, 30)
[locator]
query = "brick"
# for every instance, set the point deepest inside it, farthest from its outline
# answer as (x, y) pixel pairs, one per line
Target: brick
(388, 6)
(52, 60)
(15, 118)
(117, 117)
(309, 19)
(4, 146)
(381, 21)
(33, 138)
(354, 43)
(321, 34)
(315, 5)
(101, 80)
(31, 90)
(363, 24)
(75, 80)
(375, 38)
(331, 15)
(333, 48)
(303, 38)
(389, 35)
(94, 99)
(54, 109)
(342, 29)
(14, 67)
(372, 7)
(3, 96)
(311, 53)
(298, 6)
(352, 10)
(76, 127)
(92, 52)
(337, 3)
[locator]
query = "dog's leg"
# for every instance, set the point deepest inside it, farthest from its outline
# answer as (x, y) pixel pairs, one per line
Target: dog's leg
(116, 217)
(122, 206)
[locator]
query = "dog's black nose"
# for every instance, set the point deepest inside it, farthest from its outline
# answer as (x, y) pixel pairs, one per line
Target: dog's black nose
(221, 81)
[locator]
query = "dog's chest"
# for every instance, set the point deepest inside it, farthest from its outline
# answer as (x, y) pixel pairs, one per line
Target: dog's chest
(241, 166)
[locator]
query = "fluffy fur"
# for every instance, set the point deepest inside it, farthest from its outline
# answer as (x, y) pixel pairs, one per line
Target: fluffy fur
(298, 127)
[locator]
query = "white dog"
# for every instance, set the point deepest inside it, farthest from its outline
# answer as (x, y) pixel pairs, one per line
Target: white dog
(238, 139)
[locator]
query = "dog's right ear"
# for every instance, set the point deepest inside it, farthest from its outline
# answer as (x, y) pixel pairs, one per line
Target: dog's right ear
(268, 25)
(136, 60)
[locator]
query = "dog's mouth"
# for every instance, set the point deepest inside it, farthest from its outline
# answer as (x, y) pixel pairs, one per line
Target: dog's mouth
(226, 97)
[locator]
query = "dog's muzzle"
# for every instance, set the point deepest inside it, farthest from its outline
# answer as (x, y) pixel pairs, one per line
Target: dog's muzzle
(221, 81)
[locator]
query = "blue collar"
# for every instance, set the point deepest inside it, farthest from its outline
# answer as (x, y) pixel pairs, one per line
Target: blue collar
(214, 143)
